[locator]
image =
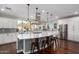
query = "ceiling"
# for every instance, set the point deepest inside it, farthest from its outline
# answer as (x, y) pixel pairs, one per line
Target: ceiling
(57, 10)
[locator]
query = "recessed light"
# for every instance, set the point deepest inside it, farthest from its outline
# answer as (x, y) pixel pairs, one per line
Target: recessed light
(31, 16)
(76, 12)
(2, 9)
(56, 17)
(43, 11)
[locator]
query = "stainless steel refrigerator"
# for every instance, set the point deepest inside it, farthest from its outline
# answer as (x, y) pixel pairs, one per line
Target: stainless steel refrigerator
(63, 30)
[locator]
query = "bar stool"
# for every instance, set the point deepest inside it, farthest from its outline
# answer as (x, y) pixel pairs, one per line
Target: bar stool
(55, 41)
(51, 41)
(47, 41)
(43, 43)
(35, 45)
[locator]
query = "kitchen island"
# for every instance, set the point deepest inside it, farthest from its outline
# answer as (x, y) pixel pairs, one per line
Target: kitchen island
(24, 40)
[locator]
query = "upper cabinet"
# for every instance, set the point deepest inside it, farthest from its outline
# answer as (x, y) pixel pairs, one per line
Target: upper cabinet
(7, 23)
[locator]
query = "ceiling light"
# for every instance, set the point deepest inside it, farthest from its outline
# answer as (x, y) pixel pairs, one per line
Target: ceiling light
(2, 9)
(56, 17)
(75, 12)
(43, 11)
(31, 16)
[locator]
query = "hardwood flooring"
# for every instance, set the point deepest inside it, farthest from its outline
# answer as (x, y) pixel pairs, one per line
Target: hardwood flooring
(9, 48)
(65, 47)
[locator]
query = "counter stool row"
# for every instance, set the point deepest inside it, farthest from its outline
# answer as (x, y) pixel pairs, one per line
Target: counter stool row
(48, 41)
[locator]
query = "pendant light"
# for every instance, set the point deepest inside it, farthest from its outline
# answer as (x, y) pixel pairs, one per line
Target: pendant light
(51, 15)
(28, 11)
(28, 19)
(36, 13)
(47, 15)
(47, 20)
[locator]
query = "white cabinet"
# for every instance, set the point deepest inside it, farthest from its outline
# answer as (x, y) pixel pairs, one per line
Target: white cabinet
(7, 23)
(73, 28)
(7, 38)
(76, 31)
(70, 30)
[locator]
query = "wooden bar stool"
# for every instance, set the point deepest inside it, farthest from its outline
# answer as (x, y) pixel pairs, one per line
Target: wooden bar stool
(47, 41)
(55, 41)
(43, 43)
(51, 41)
(35, 45)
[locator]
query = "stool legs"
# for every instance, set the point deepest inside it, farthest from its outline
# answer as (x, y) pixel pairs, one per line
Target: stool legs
(56, 42)
(37, 46)
(32, 47)
(52, 43)
(43, 44)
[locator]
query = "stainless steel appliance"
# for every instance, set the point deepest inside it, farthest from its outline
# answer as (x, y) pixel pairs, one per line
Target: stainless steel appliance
(63, 29)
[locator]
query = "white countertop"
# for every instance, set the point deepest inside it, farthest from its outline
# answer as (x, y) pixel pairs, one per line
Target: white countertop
(31, 35)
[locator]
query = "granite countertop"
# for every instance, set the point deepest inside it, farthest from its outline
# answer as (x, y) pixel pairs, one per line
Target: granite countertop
(31, 35)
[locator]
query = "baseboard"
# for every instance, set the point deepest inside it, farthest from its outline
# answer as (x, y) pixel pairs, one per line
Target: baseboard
(73, 41)
(7, 43)
(70, 41)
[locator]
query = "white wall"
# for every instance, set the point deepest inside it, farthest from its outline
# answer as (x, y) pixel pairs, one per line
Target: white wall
(7, 23)
(73, 27)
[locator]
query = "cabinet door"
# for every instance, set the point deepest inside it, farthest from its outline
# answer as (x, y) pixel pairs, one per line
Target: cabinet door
(70, 30)
(76, 31)
(20, 44)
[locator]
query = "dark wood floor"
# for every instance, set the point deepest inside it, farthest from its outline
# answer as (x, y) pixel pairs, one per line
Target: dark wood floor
(8, 48)
(65, 47)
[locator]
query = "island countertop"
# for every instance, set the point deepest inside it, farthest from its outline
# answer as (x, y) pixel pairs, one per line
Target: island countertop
(32, 35)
